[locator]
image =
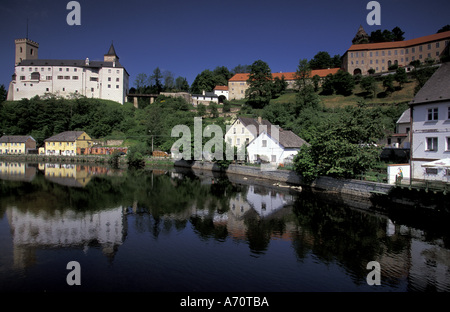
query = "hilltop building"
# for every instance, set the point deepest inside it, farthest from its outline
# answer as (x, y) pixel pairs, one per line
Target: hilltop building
(362, 56)
(106, 79)
(237, 85)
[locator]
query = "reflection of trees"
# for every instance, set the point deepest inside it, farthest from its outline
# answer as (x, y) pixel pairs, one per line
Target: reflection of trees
(259, 232)
(337, 233)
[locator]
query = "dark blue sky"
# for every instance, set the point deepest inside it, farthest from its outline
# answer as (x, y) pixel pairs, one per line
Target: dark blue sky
(189, 36)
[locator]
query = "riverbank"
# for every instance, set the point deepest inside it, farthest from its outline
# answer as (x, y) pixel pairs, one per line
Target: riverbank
(359, 193)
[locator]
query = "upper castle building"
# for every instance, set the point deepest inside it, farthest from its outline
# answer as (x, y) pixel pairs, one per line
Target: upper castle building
(106, 79)
(361, 57)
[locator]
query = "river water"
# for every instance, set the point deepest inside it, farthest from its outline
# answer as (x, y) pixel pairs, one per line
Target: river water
(171, 230)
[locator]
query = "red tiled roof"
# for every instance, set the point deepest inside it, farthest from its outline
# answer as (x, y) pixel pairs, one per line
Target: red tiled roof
(221, 88)
(288, 75)
(400, 44)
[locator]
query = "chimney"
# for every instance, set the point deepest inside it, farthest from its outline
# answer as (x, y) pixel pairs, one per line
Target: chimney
(259, 120)
(203, 93)
(87, 61)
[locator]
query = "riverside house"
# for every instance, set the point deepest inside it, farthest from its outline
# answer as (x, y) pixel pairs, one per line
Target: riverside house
(430, 128)
(244, 129)
(275, 148)
(68, 143)
(16, 144)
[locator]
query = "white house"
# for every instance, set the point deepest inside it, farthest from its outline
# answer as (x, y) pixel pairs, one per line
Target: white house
(268, 148)
(105, 79)
(245, 129)
(430, 127)
(221, 92)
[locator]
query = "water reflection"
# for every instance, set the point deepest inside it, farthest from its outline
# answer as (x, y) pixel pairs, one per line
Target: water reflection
(68, 207)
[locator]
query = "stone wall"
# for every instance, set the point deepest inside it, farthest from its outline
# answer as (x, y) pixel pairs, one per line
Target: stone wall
(327, 184)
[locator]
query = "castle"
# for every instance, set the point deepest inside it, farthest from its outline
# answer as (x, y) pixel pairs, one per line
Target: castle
(363, 56)
(106, 79)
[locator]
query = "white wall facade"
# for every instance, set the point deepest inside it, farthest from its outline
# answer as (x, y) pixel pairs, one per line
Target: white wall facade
(267, 149)
(239, 135)
(110, 83)
(430, 139)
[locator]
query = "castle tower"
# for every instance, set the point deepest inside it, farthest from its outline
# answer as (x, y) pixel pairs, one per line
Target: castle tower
(361, 36)
(111, 56)
(26, 49)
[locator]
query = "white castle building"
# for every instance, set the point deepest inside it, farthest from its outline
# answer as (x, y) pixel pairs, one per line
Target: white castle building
(106, 79)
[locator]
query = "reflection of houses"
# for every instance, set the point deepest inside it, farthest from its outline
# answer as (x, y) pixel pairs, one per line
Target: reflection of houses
(68, 143)
(16, 171)
(68, 174)
(39, 229)
(430, 127)
(16, 144)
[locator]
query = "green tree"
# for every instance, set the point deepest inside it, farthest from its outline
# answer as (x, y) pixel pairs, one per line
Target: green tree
(260, 85)
(321, 60)
(181, 84)
(239, 69)
(388, 84)
(141, 82)
(397, 34)
(203, 82)
(316, 80)
(400, 76)
(444, 29)
(279, 86)
(328, 85)
(303, 73)
(369, 84)
(3, 93)
(156, 81)
(343, 83)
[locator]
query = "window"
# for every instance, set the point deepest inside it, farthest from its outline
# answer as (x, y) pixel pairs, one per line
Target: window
(74, 69)
(60, 77)
(117, 79)
(234, 130)
(75, 77)
(432, 144)
(274, 158)
(109, 78)
(22, 77)
(413, 50)
(448, 113)
(433, 114)
(48, 77)
(431, 170)
(447, 143)
(238, 141)
(429, 46)
(93, 79)
(437, 44)
(264, 143)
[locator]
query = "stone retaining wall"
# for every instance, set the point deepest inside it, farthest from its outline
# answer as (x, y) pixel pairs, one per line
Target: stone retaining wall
(338, 186)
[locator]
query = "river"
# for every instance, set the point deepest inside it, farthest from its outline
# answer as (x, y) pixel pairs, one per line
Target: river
(172, 230)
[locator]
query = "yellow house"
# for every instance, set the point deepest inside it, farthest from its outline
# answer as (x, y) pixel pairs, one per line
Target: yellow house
(16, 144)
(68, 143)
